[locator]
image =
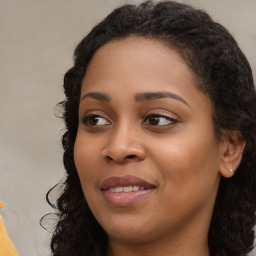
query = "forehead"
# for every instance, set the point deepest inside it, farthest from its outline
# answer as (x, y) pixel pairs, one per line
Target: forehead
(137, 58)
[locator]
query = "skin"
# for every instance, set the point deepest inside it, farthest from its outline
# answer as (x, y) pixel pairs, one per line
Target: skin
(176, 151)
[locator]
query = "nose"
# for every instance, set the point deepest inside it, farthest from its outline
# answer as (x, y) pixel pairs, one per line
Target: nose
(124, 145)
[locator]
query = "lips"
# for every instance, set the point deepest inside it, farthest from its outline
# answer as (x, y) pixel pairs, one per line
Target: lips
(126, 190)
(125, 181)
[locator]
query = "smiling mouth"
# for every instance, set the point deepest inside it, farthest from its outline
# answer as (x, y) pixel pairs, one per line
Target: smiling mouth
(127, 183)
(126, 189)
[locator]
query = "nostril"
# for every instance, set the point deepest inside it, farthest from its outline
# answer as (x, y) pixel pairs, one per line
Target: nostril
(109, 158)
(131, 156)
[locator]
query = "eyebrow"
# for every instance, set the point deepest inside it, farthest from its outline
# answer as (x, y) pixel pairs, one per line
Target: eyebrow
(146, 96)
(97, 96)
(159, 95)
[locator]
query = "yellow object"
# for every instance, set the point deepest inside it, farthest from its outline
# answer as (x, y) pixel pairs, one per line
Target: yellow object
(6, 246)
(1, 204)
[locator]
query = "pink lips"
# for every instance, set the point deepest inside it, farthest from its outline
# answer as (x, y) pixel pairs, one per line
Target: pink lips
(125, 198)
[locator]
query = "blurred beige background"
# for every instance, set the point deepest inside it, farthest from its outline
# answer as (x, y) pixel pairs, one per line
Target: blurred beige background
(37, 40)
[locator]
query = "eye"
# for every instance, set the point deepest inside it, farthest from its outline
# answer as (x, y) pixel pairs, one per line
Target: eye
(95, 120)
(158, 120)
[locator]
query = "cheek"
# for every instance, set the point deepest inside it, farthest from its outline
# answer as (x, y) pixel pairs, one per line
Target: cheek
(190, 182)
(85, 159)
(190, 163)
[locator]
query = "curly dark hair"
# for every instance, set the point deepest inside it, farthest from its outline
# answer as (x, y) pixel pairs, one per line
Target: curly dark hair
(224, 75)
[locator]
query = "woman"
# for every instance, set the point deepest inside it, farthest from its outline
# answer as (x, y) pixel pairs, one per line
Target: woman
(160, 144)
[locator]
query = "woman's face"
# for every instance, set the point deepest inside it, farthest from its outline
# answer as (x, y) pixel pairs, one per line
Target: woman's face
(145, 151)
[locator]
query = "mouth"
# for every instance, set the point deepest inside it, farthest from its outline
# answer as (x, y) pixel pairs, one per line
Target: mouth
(126, 190)
(125, 184)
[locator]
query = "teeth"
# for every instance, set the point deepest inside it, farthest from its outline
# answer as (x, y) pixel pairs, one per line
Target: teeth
(136, 188)
(119, 190)
(126, 189)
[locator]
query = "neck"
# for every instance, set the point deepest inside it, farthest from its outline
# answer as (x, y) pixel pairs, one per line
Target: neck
(186, 246)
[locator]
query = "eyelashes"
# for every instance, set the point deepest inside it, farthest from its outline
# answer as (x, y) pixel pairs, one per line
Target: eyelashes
(151, 120)
(158, 120)
(95, 120)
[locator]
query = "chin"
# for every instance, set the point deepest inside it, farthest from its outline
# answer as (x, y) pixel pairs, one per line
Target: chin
(134, 237)
(128, 232)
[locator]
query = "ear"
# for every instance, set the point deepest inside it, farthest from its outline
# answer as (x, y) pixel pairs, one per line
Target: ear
(231, 154)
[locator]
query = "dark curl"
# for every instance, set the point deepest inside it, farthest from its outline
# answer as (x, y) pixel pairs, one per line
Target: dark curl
(224, 75)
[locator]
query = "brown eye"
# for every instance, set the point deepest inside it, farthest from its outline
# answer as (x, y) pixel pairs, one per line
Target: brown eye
(158, 120)
(95, 120)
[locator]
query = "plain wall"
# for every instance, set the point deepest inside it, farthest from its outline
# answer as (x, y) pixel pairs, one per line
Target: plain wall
(37, 40)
